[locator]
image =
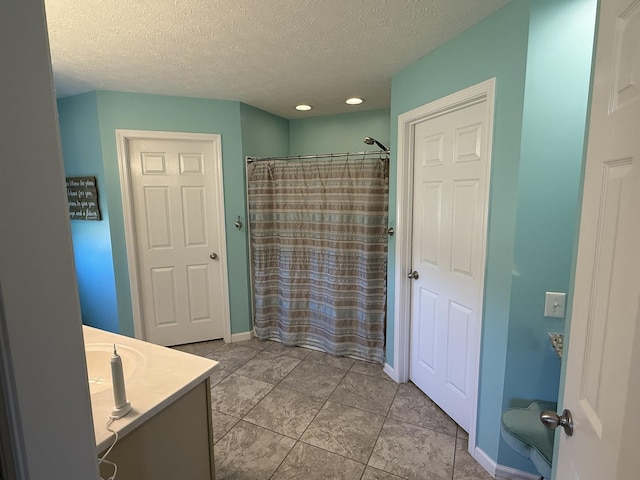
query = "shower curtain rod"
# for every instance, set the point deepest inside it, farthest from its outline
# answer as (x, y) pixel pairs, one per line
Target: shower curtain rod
(320, 155)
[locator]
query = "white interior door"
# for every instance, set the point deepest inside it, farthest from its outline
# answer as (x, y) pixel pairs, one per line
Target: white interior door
(450, 193)
(179, 239)
(606, 313)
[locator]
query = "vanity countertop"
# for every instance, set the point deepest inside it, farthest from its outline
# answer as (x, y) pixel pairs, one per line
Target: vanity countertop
(163, 376)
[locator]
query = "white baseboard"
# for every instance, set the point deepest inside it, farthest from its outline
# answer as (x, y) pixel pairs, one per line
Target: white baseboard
(485, 461)
(508, 473)
(501, 472)
(241, 337)
(391, 372)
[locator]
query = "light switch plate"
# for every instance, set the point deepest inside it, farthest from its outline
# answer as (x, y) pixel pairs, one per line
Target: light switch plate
(554, 304)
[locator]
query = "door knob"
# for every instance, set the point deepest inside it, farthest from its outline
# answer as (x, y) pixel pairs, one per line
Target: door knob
(414, 275)
(551, 420)
(213, 256)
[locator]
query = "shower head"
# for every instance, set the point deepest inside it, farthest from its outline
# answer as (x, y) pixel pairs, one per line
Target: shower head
(371, 141)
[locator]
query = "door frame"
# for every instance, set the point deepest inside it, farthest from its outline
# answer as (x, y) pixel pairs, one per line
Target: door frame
(484, 91)
(122, 139)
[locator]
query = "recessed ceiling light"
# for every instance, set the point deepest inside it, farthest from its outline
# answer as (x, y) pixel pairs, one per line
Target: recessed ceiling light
(303, 108)
(354, 101)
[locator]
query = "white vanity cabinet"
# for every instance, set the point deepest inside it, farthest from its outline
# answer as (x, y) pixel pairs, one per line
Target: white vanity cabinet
(168, 433)
(177, 442)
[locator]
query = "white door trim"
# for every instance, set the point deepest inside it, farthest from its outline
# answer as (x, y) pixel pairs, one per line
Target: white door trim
(484, 91)
(122, 137)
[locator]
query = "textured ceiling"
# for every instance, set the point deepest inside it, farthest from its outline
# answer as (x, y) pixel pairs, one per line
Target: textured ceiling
(272, 54)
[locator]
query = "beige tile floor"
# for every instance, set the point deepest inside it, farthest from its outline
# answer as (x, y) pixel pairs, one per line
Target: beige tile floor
(285, 413)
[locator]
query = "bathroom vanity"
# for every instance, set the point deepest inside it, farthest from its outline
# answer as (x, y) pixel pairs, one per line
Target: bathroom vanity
(168, 432)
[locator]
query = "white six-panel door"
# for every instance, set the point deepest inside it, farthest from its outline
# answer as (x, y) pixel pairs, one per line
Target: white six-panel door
(179, 239)
(450, 190)
(606, 318)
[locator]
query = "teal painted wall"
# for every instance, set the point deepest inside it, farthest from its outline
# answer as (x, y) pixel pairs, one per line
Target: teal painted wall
(152, 112)
(496, 47)
(561, 36)
(263, 135)
(80, 135)
(88, 123)
(339, 133)
(540, 87)
(540, 54)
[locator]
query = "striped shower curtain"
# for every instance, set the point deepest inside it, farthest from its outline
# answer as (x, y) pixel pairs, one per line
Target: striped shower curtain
(319, 253)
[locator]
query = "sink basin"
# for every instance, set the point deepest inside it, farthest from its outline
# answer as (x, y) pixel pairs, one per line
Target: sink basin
(99, 364)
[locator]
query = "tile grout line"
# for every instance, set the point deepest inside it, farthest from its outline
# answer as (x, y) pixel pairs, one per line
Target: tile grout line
(297, 440)
(324, 404)
(231, 373)
(455, 452)
(386, 416)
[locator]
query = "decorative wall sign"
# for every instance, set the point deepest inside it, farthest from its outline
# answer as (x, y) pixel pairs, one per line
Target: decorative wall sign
(82, 193)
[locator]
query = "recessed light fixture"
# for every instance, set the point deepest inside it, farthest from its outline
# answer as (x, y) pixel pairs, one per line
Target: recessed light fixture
(303, 108)
(354, 101)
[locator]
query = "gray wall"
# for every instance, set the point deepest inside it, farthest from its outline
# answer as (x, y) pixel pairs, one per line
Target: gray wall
(37, 277)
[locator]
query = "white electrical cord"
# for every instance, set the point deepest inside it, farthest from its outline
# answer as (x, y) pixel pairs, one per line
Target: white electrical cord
(103, 458)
